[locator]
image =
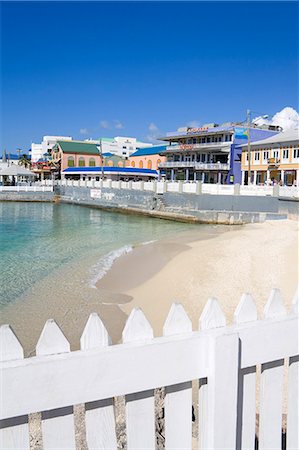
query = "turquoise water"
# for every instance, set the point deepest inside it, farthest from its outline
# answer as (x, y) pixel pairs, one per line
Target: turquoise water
(37, 239)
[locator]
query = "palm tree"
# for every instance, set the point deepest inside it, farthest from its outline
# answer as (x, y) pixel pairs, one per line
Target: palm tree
(25, 161)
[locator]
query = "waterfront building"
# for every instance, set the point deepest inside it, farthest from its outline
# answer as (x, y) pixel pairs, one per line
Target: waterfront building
(120, 146)
(112, 160)
(75, 154)
(148, 157)
(48, 143)
(211, 153)
(275, 159)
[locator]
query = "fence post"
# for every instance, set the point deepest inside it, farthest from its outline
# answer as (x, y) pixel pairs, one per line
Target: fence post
(237, 189)
(275, 190)
(142, 185)
(180, 186)
(220, 392)
(198, 189)
(130, 184)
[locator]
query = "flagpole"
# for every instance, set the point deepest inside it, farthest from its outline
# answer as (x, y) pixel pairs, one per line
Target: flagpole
(248, 145)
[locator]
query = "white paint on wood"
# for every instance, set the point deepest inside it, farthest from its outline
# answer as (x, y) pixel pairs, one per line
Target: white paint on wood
(246, 414)
(222, 395)
(14, 433)
(52, 340)
(15, 436)
(74, 377)
(177, 321)
(95, 334)
(274, 307)
(137, 327)
(178, 416)
(246, 310)
(271, 405)
(99, 415)
(140, 406)
(178, 398)
(293, 404)
(100, 425)
(10, 347)
(212, 315)
(58, 429)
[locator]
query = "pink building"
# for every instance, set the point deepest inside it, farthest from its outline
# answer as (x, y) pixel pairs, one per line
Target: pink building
(147, 158)
(76, 154)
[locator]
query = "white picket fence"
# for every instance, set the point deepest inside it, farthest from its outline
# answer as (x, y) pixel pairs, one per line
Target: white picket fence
(224, 359)
(189, 187)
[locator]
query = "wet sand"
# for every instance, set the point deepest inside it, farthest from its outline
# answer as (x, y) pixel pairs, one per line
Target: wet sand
(217, 261)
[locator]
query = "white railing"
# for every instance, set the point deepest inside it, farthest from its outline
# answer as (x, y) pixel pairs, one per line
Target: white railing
(225, 360)
(168, 186)
(196, 165)
(190, 147)
(26, 188)
(218, 189)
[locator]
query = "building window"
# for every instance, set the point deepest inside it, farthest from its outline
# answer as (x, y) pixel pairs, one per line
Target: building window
(120, 164)
(110, 163)
(276, 154)
(133, 163)
(296, 153)
(194, 141)
(257, 156)
(81, 162)
(140, 165)
(92, 162)
(70, 161)
(158, 162)
(285, 154)
(149, 164)
(266, 155)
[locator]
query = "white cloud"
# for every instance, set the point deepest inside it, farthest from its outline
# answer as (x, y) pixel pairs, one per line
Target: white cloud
(193, 124)
(118, 125)
(104, 124)
(83, 131)
(154, 132)
(287, 118)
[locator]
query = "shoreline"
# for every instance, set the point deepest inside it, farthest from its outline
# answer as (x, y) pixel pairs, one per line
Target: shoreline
(212, 261)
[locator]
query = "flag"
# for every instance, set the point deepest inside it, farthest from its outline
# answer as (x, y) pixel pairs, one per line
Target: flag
(241, 133)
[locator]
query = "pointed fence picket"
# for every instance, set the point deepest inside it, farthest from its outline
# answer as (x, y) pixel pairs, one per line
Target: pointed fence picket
(14, 432)
(99, 415)
(58, 426)
(223, 358)
(293, 392)
(140, 406)
(246, 312)
(271, 395)
(178, 397)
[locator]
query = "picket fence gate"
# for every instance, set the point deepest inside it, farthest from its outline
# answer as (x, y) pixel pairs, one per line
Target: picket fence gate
(223, 359)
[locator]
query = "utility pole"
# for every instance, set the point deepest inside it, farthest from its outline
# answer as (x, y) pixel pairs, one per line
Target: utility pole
(248, 145)
(101, 152)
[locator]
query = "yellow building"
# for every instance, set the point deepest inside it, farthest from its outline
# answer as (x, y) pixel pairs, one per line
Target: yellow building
(273, 160)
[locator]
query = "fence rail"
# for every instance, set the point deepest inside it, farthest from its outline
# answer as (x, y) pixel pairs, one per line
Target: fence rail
(223, 358)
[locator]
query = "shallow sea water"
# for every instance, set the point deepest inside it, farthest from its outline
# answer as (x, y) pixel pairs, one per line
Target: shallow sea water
(38, 240)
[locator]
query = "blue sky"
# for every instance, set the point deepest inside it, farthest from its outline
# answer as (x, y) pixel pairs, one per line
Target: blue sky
(141, 69)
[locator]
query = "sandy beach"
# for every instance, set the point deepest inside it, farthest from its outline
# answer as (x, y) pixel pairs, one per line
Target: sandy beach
(213, 261)
(253, 258)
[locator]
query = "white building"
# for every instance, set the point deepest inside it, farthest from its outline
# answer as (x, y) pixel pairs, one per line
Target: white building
(119, 145)
(48, 142)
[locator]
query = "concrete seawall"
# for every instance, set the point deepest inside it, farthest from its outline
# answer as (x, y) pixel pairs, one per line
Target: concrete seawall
(183, 207)
(222, 209)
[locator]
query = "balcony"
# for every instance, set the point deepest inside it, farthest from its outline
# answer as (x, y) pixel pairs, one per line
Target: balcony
(194, 165)
(224, 146)
(273, 161)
